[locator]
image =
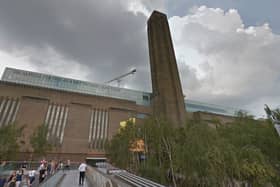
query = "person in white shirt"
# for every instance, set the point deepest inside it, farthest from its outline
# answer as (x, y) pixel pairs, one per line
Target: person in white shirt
(82, 169)
(31, 174)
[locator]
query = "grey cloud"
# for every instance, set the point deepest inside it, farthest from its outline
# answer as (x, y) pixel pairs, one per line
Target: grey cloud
(102, 36)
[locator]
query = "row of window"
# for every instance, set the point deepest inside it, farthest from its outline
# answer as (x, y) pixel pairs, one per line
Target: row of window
(36, 79)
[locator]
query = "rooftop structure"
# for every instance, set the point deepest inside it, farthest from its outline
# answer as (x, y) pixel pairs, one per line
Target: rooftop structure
(72, 85)
(195, 106)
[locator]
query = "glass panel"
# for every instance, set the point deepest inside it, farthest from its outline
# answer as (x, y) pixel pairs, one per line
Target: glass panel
(141, 98)
(60, 83)
(195, 106)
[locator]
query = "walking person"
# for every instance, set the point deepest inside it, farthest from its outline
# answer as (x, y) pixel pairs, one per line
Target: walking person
(42, 172)
(49, 167)
(82, 169)
(12, 183)
(68, 165)
(31, 175)
(53, 167)
(19, 177)
(61, 166)
(13, 175)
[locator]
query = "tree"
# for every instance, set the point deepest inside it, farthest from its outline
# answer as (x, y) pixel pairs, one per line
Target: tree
(160, 144)
(256, 147)
(118, 148)
(244, 151)
(8, 141)
(39, 141)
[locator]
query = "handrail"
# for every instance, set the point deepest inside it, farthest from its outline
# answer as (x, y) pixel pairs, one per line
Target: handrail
(131, 178)
(120, 178)
(145, 180)
(53, 180)
(96, 178)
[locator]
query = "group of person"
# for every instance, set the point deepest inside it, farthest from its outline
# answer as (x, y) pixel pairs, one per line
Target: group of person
(21, 178)
(25, 178)
(49, 168)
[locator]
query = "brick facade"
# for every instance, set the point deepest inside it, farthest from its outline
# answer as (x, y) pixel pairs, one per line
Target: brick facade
(35, 102)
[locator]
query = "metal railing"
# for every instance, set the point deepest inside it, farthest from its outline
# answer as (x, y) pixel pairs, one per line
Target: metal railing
(136, 180)
(53, 180)
(114, 177)
(97, 178)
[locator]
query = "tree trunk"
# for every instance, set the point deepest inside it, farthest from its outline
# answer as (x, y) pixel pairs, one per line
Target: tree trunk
(169, 152)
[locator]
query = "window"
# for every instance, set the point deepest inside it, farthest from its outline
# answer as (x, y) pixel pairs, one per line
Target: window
(145, 98)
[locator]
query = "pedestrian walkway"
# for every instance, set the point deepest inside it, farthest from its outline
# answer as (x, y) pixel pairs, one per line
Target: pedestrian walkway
(72, 179)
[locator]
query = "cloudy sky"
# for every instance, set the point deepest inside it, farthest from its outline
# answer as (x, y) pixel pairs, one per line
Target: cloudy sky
(227, 50)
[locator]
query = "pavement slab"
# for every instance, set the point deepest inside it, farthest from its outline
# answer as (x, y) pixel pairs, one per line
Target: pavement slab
(71, 178)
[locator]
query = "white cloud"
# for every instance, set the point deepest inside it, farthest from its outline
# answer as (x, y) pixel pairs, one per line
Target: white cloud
(233, 65)
(44, 61)
(12, 60)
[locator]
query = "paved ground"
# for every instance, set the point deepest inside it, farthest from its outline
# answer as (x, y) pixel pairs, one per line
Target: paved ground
(72, 179)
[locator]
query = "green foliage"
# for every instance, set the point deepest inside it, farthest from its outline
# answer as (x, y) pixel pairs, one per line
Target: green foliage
(118, 149)
(8, 141)
(260, 145)
(39, 141)
(244, 151)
